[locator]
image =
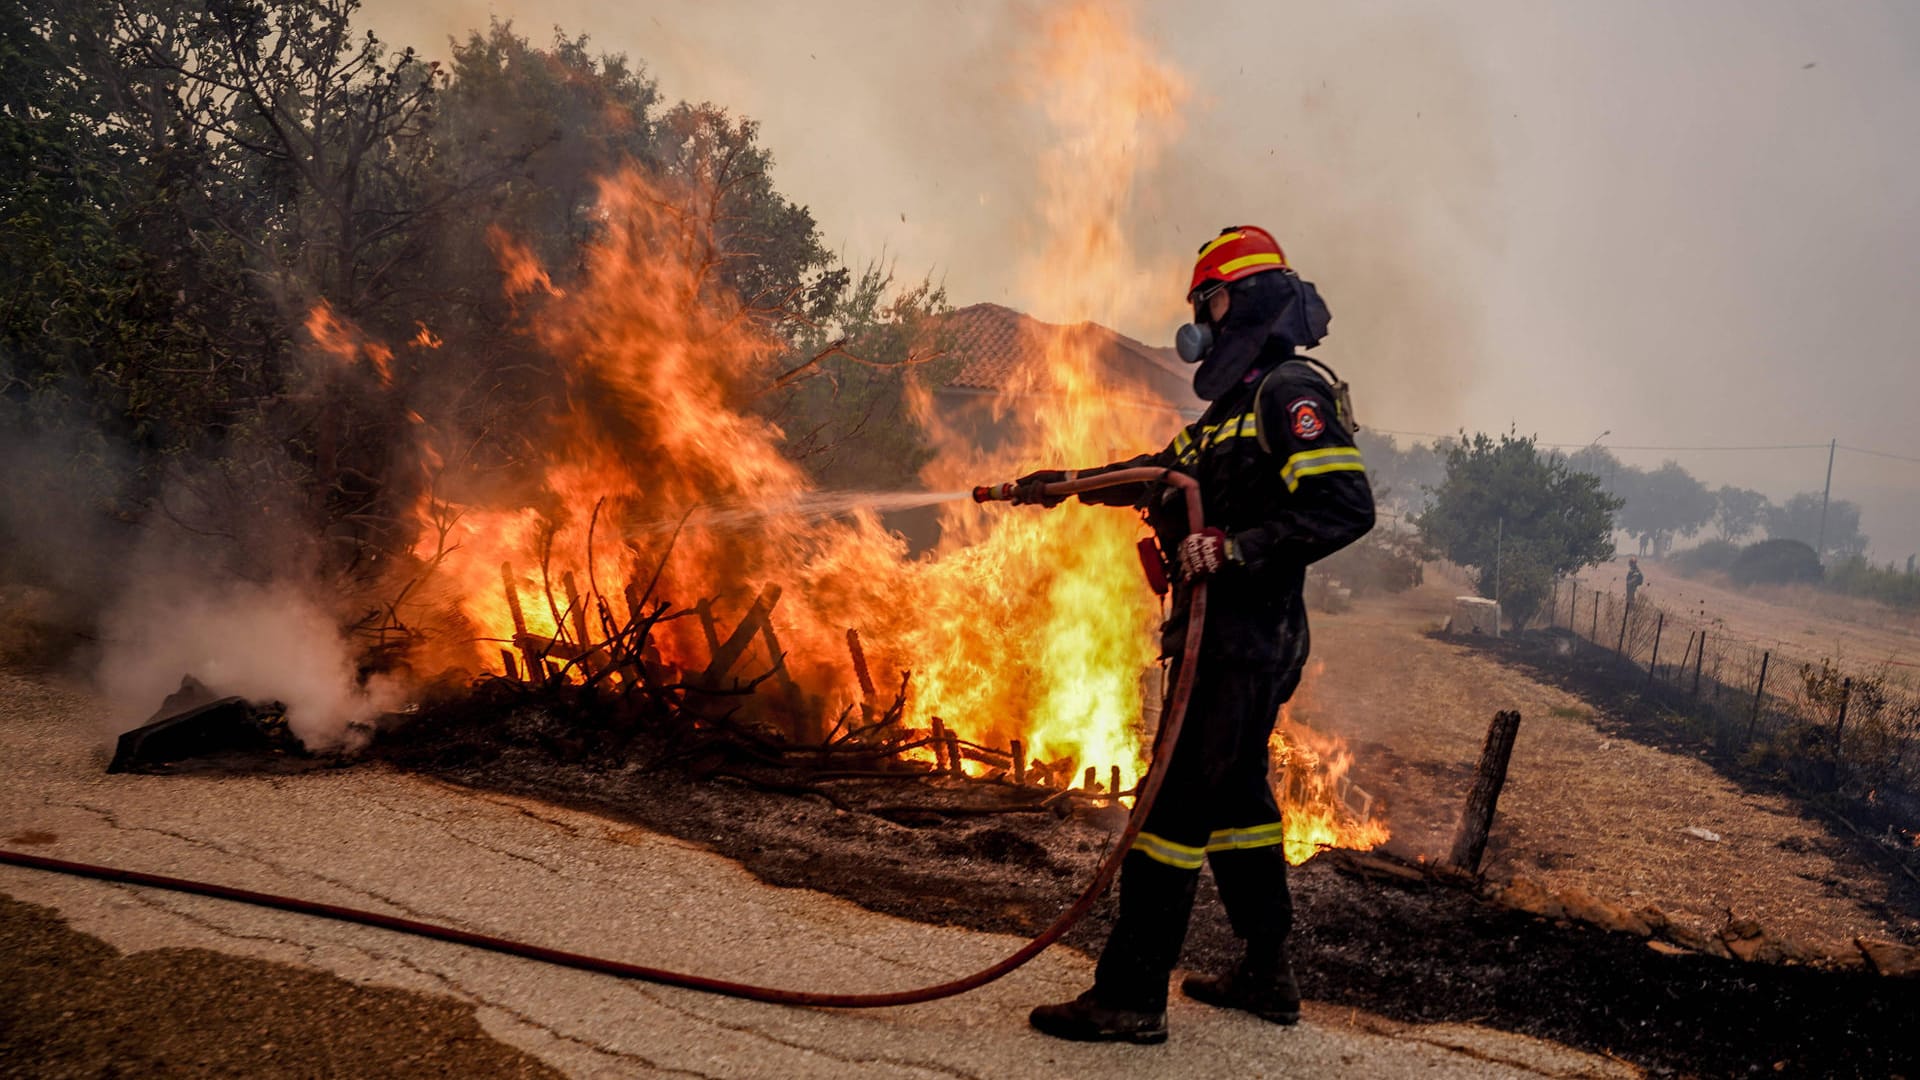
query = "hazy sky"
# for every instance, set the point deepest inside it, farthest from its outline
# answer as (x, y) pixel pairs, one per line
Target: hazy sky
(1685, 224)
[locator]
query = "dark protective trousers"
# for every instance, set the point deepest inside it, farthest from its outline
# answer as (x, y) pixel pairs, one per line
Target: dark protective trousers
(1216, 806)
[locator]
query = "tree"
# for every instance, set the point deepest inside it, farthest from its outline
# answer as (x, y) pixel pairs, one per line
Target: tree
(1532, 513)
(1737, 512)
(1799, 519)
(1403, 477)
(844, 401)
(1663, 503)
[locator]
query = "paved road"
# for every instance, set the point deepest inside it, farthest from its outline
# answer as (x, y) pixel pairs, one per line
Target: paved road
(376, 838)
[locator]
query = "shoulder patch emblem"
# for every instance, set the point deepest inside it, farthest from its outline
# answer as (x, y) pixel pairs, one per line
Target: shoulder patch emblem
(1304, 416)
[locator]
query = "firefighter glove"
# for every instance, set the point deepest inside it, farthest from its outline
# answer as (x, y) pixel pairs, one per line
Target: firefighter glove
(1206, 552)
(1026, 490)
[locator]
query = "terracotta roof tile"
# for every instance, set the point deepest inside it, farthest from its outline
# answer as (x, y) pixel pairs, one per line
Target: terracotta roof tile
(999, 348)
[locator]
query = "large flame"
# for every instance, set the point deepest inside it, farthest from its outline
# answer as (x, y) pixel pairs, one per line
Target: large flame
(1023, 625)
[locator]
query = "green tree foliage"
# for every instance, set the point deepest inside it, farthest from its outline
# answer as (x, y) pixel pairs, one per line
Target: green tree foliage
(1660, 504)
(1709, 555)
(1799, 519)
(1538, 516)
(185, 181)
(1403, 476)
(1889, 584)
(1775, 562)
(1737, 512)
(845, 404)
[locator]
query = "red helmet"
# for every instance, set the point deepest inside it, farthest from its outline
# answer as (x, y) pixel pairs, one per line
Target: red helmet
(1237, 252)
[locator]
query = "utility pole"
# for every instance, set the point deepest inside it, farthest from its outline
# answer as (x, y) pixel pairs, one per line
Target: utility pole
(1499, 541)
(1826, 495)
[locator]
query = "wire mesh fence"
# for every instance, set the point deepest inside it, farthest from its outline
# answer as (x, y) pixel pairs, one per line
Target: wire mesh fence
(1825, 723)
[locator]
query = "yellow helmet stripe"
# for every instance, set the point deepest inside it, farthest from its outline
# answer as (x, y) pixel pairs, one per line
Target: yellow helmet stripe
(1264, 258)
(1223, 238)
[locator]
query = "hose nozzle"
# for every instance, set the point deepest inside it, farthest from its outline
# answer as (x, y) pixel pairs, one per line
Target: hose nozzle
(994, 492)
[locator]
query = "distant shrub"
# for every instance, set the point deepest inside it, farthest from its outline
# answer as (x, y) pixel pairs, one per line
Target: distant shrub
(1709, 555)
(1888, 584)
(1775, 562)
(1384, 560)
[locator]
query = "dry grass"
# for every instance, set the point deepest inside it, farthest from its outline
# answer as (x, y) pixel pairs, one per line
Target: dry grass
(1799, 622)
(1582, 808)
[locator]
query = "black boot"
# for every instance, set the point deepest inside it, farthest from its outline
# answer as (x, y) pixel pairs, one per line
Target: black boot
(1268, 990)
(1084, 1019)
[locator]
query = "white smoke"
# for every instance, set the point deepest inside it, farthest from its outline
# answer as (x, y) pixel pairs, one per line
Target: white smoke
(269, 642)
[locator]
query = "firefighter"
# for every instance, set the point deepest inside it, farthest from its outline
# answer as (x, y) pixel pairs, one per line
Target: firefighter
(1282, 485)
(1635, 578)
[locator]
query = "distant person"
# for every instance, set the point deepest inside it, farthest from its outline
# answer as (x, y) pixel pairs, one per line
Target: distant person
(1635, 579)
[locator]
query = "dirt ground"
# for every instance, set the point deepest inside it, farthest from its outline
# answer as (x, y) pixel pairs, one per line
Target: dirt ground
(1585, 807)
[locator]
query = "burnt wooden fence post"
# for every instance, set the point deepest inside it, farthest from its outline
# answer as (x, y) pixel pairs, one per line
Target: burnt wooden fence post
(1698, 658)
(1753, 717)
(1470, 842)
(1626, 614)
(1573, 609)
(1653, 665)
(1846, 695)
(1593, 634)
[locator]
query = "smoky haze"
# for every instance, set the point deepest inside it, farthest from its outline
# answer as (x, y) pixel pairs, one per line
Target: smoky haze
(1687, 226)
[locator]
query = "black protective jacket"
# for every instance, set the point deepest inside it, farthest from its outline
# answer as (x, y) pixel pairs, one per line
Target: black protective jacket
(1300, 497)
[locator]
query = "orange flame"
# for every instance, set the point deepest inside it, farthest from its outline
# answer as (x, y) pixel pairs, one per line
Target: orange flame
(1321, 805)
(342, 340)
(521, 267)
(1022, 625)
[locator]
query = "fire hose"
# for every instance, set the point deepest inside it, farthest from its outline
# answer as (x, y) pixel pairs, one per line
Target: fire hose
(1148, 788)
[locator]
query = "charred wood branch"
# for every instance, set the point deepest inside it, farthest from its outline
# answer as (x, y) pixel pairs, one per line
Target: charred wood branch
(729, 652)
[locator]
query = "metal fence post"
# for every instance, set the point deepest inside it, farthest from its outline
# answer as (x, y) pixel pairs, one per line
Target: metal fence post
(1697, 658)
(1759, 688)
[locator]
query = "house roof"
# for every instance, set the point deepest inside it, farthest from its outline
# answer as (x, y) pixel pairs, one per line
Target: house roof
(1000, 350)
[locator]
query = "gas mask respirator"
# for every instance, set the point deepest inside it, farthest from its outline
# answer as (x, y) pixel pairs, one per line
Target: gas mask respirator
(1192, 341)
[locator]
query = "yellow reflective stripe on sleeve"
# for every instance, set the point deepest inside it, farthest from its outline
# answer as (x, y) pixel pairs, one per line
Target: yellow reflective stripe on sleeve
(1162, 850)
(1223, 238)
(1318, 470)
(1253, 836)
(1265, 258)
(1315, 462)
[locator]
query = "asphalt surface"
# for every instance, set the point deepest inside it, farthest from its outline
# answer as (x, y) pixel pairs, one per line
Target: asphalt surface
(371, 837)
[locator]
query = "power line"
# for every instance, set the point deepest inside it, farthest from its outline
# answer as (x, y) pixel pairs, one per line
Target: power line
(1878, 453)
(1613, 447)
